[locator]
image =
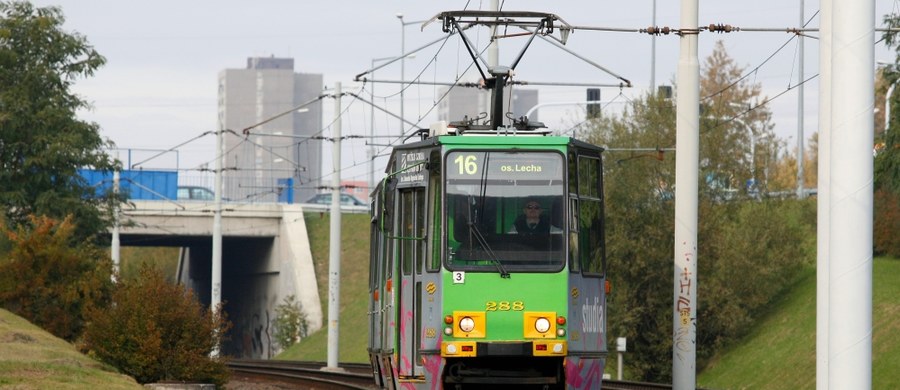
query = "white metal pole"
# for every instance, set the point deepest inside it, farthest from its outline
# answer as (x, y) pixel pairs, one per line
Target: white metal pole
(653, 54)
(216, 295)
(852, 103)
(371, 151)
(334, 258)
(494, 48)
(887, 107)
(402, 73)
(116, 243)
(619, 371)
(823, 195)
(687, 166)
(800, 113)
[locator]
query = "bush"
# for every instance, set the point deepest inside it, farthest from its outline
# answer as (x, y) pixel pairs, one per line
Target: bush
(749, 253)
(290, 323)
(157, 331)
(753, 253)
(52, 280)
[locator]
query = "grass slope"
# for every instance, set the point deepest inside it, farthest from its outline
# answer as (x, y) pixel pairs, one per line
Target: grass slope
(780, 353)
(353, 322)
(31, 358)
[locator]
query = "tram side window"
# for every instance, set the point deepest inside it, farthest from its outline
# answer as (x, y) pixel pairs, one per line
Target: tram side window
(590, 237)
(434, 262)
(419, 229)
(590, 215)
(412, 230)
(406, 231)
(373, 256)
(574, 259)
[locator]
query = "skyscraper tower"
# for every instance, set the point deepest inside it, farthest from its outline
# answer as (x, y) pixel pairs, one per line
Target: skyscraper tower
(276, 150)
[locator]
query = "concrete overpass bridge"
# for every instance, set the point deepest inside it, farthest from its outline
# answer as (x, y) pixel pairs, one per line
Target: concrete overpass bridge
(265, 258)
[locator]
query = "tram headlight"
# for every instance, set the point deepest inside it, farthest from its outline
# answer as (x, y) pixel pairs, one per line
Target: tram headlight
(542, 325)
(466, 324)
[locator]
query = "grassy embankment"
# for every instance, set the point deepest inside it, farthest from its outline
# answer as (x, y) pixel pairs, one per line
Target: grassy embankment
(31, 358)
(354, 289)
(780, 353)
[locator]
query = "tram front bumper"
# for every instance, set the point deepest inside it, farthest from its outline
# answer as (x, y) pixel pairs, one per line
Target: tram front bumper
(501, 348)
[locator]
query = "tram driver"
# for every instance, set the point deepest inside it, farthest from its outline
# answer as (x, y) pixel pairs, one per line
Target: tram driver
(533, 221)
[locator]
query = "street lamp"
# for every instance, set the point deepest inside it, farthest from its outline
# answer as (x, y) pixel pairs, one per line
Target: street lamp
(887, 96)
(403, 65)
(371, 151)
(752, 134)
(752, 151)
(402, 69)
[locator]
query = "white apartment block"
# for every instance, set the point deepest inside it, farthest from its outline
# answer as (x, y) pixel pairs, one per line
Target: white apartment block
(278, 149)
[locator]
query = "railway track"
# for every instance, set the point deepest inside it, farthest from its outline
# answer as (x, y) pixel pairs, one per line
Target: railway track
(357, 376)
(305, 375)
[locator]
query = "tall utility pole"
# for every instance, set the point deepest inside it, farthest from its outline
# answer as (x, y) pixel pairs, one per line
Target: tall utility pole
(823, 196)
(653, 54)
(800, 135)
(687, 168)
(851, 185)
(334, 257)
(116, 242)
(216, 296)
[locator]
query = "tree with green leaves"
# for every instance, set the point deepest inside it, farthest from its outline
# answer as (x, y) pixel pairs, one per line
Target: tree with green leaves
(42, 143)
(887, 158)
(290, 323)
(744, 242)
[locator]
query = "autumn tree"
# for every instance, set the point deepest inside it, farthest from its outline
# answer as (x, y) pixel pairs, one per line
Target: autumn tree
(158, 331)
(737, 142)
(52, 279)
(42, 143)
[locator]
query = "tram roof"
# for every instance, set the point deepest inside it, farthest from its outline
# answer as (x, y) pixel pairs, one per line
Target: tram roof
(498, 140)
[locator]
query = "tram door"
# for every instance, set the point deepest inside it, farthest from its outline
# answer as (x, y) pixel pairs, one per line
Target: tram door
(411, 239)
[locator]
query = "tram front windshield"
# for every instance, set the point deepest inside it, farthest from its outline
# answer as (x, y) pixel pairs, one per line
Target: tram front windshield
(504, 211)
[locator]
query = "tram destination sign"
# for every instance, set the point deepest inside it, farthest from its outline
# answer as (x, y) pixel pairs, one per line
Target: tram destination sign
(528, 165)
(411, 167)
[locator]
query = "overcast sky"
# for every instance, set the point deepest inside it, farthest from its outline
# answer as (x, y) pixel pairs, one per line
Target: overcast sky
(159, 86)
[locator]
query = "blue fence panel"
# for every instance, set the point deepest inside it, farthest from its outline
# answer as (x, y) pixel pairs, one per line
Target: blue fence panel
(138, 184)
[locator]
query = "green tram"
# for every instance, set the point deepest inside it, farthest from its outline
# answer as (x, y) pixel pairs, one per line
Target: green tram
(464, 290)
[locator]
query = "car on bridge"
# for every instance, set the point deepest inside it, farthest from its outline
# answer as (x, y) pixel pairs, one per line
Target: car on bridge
(349, 203)
(196, 193)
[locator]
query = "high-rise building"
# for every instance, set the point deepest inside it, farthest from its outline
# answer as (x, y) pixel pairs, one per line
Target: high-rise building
(475, 103)
(257, 164)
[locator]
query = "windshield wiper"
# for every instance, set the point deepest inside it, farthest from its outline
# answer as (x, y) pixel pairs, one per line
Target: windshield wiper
(473, 229)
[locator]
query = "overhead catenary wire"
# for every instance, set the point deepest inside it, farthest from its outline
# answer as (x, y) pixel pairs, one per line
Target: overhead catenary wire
(172, 148)
(574, 27)
(754, 70)
(752, 108)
